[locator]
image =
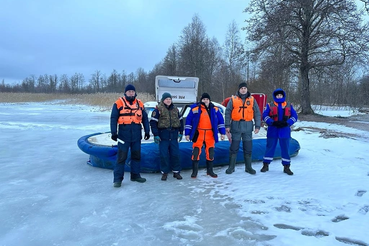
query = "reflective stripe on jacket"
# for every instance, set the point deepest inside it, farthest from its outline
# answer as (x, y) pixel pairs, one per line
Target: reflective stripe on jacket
(193, 118)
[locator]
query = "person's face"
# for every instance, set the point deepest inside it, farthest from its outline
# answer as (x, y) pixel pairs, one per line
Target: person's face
(279, 96)
(243, 90)
(130, 93)
(167, 101)
(206, 101)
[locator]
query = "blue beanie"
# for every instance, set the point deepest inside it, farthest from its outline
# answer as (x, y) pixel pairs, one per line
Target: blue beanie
(279, 91)
(129, 88)
(165, 96)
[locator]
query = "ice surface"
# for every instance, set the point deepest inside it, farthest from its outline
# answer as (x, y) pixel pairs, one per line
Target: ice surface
(50, 196)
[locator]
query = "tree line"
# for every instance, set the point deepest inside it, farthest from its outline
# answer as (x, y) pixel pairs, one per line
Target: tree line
(316, 50)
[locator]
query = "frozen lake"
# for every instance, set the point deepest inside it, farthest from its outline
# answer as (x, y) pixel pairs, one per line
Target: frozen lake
(50, 196)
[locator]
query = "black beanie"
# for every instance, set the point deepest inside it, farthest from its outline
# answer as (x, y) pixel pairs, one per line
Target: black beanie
(205, 95)
(165, 96)
(129, 88)
(243, 84)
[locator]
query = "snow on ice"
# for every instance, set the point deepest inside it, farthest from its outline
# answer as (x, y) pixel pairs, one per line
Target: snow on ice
(50, 196)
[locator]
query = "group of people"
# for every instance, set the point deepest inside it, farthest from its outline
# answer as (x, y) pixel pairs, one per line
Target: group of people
(203, 125)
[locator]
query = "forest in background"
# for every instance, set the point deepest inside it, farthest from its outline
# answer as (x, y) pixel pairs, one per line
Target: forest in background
(316, 50)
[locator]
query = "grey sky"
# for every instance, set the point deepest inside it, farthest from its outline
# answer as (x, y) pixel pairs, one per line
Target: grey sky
(68, 36)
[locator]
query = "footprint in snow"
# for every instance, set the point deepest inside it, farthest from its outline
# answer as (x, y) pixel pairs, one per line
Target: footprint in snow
(340, 218)
(351, 241)
(283, 208)
(312, 233)
(291, 227)
(360, 192)
(364, 209)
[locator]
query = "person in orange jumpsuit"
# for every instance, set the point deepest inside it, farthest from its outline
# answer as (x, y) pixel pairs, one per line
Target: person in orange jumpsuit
(202, 125)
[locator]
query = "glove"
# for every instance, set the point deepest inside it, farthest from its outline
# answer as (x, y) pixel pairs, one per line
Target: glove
(157, 139)
(147, 136)
(180, 137)
(284, 124)
(114, 137)
(280, 124)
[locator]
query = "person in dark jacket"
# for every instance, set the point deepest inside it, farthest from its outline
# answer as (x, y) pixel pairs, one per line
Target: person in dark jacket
(126, 120)
(241, 116)
(203, 123)
(167, 126)
(279, 115)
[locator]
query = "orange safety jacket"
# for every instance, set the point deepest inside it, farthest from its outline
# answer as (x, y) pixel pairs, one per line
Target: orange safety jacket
(204, 122)
(273, 113)
(242, 111)
(129, 114)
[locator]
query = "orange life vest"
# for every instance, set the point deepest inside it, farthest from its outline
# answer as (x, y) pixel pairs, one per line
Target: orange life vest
(242, 111)
(129, 114)
(204, 122)
(273, 113)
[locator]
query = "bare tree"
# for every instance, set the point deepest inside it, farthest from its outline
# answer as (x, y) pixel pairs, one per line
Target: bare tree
(315, 33)
(170, 63)
(198, 55)
(141, 80)
(64, 85)
(131, 78)
(96, 81)
(29, 84)
(76, 82)
(122, 82)
(364, 90)
(113, 82)
(234, 60)
(234, 53)
(191, 48)
(53, 83)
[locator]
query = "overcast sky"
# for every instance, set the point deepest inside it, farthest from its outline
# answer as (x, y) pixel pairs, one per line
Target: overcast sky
(69, 36)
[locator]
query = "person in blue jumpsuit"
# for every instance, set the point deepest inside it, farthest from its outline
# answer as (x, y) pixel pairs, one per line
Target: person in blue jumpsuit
(167, 126)
(126, 120)
(279, 115)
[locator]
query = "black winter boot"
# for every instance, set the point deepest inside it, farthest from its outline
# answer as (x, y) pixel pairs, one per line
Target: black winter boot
(164, 176)
(232, 163)
(195, 169)
(248, 168)
(138, 179)
(265, 167)
(177, 175)
(209, 169)
(287, 169)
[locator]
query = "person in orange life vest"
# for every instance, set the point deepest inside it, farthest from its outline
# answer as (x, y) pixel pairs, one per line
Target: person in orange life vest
(203, 123)
(127, 116)
(225, 101)
(240, 112)
(167, 126)
(279, 116)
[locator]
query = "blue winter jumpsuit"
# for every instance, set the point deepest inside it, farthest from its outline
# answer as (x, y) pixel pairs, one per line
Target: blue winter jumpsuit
(283, 134)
